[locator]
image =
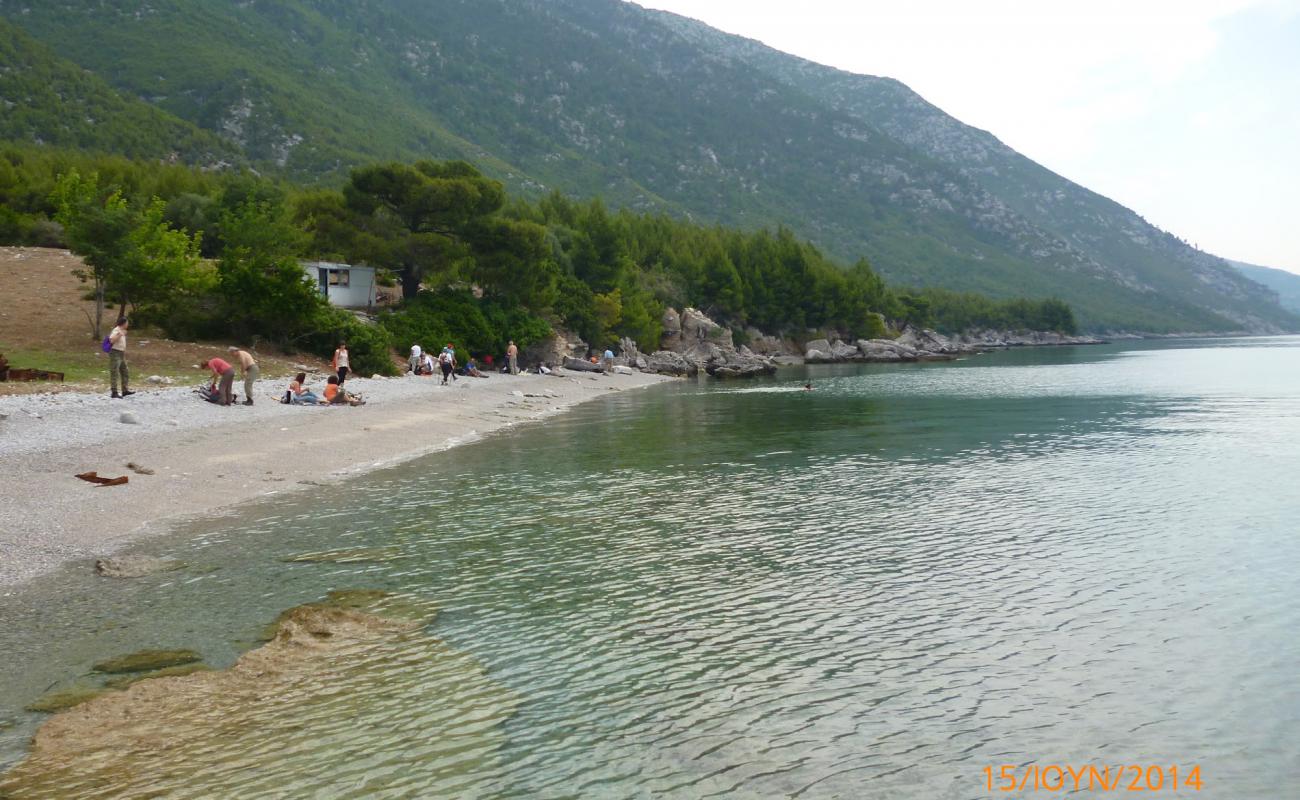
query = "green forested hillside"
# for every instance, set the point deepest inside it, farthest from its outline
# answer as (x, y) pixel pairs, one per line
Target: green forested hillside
(49, 100)
(602, 98)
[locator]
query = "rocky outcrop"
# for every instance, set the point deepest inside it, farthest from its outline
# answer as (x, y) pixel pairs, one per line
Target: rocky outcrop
(923, 344)
(694, 344)
(765, 345)
(552, 350)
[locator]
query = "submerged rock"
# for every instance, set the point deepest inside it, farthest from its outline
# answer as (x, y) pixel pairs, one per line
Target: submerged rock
(62, 699)
(146, 661)
(125, 680)
(135, 566)
(342, 681)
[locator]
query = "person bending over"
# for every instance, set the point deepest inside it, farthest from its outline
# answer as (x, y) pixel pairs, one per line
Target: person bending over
(223, 372)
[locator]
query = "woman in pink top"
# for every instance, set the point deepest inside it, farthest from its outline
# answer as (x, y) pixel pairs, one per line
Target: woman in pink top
(221, 369)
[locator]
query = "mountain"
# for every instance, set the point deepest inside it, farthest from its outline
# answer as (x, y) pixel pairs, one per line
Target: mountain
(1286, 284)
(50, 100)
(655, 112)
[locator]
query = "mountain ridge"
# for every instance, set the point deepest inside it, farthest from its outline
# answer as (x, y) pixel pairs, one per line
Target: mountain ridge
(657, 113)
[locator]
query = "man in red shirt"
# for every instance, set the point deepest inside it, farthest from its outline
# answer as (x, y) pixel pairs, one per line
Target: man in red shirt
(221, 369)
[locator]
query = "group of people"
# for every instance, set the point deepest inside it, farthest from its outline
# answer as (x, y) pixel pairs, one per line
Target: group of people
(224, 372)
(221, 389)
(422, 362)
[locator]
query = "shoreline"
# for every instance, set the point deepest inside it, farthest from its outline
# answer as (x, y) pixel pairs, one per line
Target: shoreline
(207, 460)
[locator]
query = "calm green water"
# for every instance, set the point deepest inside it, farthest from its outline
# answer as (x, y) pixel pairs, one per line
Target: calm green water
(873, 590)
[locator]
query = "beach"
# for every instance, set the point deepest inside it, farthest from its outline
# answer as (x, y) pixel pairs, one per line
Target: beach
(207, 460)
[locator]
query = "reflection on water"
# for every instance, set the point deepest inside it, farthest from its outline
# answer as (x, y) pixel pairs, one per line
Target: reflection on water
(874, 589)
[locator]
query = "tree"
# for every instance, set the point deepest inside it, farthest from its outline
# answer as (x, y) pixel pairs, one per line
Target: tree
(264, 290)
(133, 258)
(416, 219)
(97, 227)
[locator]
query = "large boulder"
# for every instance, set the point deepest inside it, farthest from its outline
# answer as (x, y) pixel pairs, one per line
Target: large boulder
(671, 322)
(667, 362)
(841, 351)
(552, 350)
(884, 351)
(765, 345)
(698, 329)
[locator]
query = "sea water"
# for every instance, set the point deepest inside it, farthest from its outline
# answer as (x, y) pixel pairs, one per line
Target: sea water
(890, 586)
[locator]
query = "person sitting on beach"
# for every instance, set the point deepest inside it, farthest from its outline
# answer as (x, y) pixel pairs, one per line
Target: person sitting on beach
(426, 364)
(471, 369)
(335, 395)
(221, 370)
(298, 393)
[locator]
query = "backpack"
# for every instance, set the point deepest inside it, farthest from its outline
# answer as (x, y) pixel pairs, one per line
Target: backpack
(107, 346)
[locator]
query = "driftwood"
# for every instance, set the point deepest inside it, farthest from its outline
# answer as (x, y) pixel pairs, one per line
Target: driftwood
(95, 478)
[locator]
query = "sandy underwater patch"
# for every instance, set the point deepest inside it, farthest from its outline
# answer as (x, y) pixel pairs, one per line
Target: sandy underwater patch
(350, 694)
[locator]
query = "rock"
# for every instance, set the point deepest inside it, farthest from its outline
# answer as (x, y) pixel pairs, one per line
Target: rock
(843, 352)
(667, 362)
(129, 418)
(125, 680)
(581, 365)
(628, 351)
(884, 351)
(765, 345)
(815, 356)
(671, 322)
(552, 350)
(517, 393)
(619, 369)
(135, 566)
(63, 699)
(147, 661)
(175, 423)
(820, 345)
(698, 329)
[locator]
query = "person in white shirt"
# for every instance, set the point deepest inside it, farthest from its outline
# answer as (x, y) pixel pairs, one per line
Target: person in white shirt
(415, 359)
(117, 358)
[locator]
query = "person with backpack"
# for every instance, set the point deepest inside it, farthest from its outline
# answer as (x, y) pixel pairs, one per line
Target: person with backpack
(447, 362)
(115, 346)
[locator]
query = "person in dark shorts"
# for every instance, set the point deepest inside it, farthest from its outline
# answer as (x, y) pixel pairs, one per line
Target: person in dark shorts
(341, 363)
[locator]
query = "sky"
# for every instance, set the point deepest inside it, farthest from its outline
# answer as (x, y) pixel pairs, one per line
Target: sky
(1186, 111)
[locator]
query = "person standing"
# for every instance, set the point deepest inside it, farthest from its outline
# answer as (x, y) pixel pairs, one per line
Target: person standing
(117, 358)
(248, 369)
(512, 356)
(222, 370)
(416, 360)
(447, 361)
(341, 364)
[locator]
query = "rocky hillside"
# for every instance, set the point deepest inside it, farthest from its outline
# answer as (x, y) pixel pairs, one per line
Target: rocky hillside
(601, 97)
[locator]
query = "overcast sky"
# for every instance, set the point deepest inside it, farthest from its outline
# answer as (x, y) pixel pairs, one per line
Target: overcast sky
(1186, 111)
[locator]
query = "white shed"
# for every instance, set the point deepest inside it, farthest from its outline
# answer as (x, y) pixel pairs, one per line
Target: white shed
(343, 285)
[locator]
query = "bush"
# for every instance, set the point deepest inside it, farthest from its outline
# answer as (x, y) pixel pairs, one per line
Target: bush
(477, 327)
